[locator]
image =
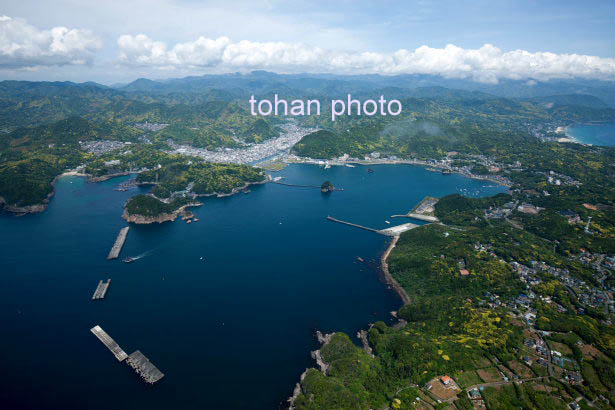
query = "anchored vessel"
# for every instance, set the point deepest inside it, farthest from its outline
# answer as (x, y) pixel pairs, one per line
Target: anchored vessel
(119, 243)
(101, 290)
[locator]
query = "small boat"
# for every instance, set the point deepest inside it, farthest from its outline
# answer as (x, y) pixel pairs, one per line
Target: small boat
(350, 165)
(130, 259)
(371, 171)
(388, 222)
(360, 259)
(189, 221)
(196, 219)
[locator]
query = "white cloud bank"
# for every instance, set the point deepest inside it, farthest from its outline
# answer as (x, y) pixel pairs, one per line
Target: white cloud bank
(486, 64)
(25, 46)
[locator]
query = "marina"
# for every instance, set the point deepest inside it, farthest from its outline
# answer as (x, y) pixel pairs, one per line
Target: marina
(120, 355)
(101, 290)
(119, 243)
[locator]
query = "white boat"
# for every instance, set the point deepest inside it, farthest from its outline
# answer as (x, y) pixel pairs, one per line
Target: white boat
(388, 222)
(350, 165)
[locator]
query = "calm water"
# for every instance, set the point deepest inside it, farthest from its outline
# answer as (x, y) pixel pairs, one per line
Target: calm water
(595, 134)
(232, 330)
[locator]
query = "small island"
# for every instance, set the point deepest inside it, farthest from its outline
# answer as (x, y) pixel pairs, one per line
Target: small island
(178, 185)
(327, 187)
(147, 209)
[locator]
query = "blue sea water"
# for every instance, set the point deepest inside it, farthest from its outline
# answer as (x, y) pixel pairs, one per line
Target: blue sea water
(232, 330)
(595, 134)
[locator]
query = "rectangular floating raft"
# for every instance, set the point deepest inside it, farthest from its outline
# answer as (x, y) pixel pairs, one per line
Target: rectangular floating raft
(109, 342)
(144, 367)
(119, 243)
(101, 290)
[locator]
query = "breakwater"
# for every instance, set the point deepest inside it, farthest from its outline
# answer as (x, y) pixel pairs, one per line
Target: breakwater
(119, 243)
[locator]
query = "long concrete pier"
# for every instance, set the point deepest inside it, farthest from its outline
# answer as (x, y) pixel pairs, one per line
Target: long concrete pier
(101, 289)
(109, 342)
(119, 243)
(295, 185)
(392, 231)
(352, 224)
(144, 367)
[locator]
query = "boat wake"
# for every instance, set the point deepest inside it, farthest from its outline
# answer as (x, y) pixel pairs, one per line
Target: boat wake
(136, 258)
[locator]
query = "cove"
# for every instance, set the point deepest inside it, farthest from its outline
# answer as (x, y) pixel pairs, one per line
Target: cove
(595, 134)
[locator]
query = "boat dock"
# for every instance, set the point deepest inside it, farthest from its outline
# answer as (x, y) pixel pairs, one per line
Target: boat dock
(119, 243)
(120, 355)
(144, 367)
(101, 289)
(392, 231)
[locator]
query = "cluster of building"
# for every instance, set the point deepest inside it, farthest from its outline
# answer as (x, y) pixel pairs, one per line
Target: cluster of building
(555, 178)
(250, 153)
(102, 147)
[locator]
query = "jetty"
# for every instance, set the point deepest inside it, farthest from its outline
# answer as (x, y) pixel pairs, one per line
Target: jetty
(144, 367)
(392, 231)
(120, 355)
(330, 218)
(101, 289)
(295, 185)
(303, 186)
(119, 243)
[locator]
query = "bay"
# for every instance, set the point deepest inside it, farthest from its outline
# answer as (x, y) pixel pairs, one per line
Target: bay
(226, 307)
(595, 134)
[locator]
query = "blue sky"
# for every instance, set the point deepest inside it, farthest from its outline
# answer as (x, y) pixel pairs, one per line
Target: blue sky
(115, 40)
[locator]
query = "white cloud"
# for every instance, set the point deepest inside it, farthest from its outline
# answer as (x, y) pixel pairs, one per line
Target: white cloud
(485, 64)
(25, 46)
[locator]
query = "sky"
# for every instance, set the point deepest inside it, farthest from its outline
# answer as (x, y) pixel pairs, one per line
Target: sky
(115, 41)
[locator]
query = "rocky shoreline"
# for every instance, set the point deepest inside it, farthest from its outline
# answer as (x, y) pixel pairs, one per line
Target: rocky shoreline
(235, 190)
(323, 339)
(312, 161)
(387, 275)
(37, 208)
(164, 217)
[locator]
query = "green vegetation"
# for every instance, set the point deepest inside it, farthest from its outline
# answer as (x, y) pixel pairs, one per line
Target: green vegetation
(327, 187)
(149, 206)
(200, 178)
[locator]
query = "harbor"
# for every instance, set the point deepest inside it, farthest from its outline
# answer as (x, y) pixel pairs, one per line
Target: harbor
(423, 211)
(119, 243)
(101, 290)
